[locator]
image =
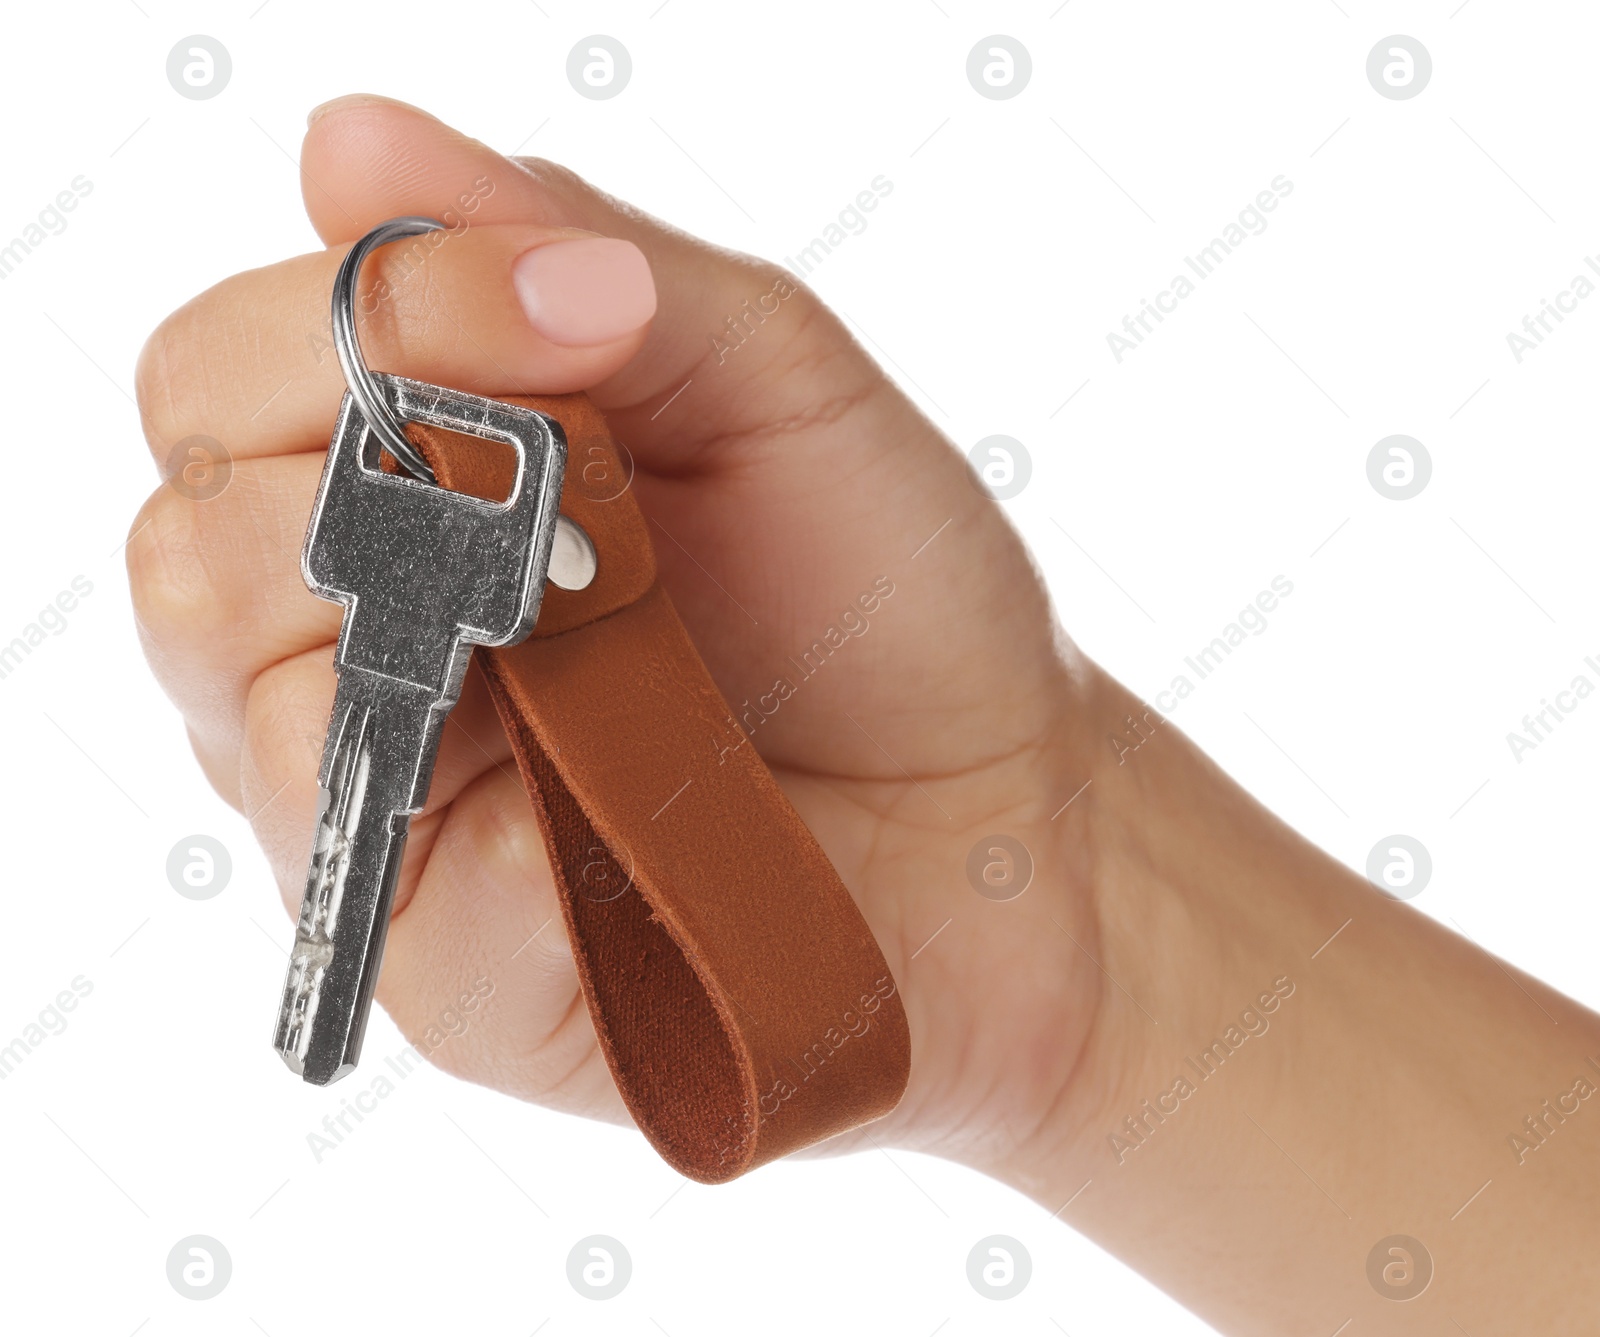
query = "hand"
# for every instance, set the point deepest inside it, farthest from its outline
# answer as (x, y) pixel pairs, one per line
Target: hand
(783, 475)
(1053, 1034)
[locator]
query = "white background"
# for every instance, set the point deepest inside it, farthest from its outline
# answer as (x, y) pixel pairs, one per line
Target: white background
(1230, 448)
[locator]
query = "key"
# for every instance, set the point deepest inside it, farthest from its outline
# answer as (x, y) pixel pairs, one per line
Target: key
(424, 575)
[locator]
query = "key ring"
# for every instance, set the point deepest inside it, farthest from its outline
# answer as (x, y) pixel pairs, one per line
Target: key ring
(358, 376)
(573, 561)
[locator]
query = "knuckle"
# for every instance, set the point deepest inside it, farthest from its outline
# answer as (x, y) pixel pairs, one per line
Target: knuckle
(186, 375)
(175, 377)
(285, 722)
(553, 176)
(572, 200)
(501, 831)
(172, 571)
(285, 716)
(153, 384)
(219, 762)
(805, 334)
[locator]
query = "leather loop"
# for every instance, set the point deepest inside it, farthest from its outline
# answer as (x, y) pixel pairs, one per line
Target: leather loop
(739, 998)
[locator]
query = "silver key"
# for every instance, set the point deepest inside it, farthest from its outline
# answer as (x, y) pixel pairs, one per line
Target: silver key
(424, 575)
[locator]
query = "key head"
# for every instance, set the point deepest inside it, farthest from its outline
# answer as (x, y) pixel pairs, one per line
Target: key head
(423, 571)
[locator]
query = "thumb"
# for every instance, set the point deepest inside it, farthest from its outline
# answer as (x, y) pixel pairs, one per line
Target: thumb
(681, 401)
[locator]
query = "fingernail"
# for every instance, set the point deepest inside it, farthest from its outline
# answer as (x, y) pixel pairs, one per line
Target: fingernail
(587, 291)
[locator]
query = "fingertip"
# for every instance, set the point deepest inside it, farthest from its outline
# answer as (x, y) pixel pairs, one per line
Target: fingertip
(403, 153)
(350, 101)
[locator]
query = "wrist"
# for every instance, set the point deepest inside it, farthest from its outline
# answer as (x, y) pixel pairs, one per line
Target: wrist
(1204, 910)
(1280, 1042)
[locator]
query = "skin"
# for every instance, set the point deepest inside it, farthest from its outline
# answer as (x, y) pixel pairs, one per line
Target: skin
(1373, 1097)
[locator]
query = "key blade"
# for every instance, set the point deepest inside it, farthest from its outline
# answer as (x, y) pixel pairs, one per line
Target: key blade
(424, 574)
(382, 741)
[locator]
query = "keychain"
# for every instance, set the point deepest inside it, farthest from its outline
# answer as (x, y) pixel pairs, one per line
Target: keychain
(424, 574)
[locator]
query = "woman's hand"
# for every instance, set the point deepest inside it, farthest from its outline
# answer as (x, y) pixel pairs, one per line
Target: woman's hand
(1363, 1073)
(784, 477)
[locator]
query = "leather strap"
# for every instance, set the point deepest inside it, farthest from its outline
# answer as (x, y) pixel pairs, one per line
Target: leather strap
(738, 996)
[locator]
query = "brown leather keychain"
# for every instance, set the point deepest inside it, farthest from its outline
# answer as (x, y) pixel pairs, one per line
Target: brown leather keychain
(738, 996)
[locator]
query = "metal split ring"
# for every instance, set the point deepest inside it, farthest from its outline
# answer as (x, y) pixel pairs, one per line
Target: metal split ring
(572, 560)
(358, 376)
